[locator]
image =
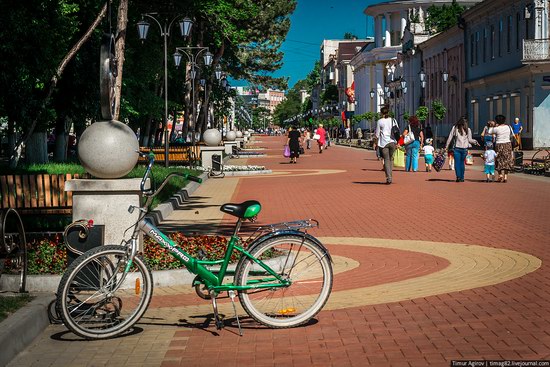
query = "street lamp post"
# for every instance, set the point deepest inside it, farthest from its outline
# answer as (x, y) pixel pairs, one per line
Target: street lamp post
(423, 80)
(192, 58)
(185, 29)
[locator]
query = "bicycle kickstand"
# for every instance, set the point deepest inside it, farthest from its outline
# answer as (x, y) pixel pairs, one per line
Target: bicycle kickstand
(232, 296)
(219, 323)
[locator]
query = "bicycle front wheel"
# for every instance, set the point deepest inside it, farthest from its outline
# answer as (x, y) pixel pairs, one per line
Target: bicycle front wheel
(97, 300)
(297, 259)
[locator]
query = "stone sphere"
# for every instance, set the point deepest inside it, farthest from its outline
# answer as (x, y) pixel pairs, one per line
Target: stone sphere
(212, 137)
(246, 133)
(107, 149)
(239, 134)
(230, 136)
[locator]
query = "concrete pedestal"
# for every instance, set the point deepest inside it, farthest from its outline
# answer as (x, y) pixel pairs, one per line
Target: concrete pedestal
(229, 146)
(106, 202)
(208, 152)
(240, 142)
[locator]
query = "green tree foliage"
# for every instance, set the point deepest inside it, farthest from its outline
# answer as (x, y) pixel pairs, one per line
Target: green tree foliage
(440, 18)
(350, 36)
(422, 113)
(439, 110)
(32, 44)
(330, 95)
(289, 108)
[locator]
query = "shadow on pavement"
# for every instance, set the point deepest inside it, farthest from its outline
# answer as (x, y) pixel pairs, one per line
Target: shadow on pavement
(370, 183)
(68, 336)
(439, 180)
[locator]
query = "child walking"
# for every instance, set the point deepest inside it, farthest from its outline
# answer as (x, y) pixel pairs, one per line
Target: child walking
(489, 157)
(428, 154)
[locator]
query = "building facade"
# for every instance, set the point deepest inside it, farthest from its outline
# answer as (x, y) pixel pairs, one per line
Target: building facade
(380, 69)
(508, 66)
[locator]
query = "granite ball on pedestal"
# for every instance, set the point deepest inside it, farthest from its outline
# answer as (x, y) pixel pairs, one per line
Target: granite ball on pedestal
(212, 137)
(230, 136)
(108, 149)
(239, 134)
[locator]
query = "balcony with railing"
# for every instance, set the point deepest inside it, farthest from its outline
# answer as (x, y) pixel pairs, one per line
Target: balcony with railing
(536, 51)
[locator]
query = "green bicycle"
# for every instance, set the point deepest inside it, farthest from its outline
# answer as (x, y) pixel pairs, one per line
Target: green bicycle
(282, 279)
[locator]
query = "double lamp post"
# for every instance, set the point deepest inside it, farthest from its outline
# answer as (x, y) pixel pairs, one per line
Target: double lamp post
(185, 25)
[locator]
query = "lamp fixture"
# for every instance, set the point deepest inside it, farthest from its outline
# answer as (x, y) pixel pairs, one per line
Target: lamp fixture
(422, 75)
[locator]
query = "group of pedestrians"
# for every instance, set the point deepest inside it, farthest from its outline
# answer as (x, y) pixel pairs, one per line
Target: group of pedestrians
(296, 138)
(497, 135)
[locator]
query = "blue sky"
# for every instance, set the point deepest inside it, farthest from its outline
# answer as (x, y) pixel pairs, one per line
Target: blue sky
(315, 20)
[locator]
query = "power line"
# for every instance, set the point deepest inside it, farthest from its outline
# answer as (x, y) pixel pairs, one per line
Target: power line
(305, 43)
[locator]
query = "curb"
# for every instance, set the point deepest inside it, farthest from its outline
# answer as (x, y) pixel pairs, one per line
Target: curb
(164, 210)
(248, 173)
(19, 330)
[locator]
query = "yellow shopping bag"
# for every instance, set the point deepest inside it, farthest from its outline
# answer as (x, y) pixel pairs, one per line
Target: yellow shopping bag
(399, 158)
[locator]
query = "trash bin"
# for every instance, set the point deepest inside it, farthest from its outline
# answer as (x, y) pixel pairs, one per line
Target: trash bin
(79, 241)
(216, 162)
(518, 159)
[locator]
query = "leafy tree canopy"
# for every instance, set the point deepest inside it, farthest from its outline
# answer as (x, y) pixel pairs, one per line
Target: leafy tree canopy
(349, 36)
(441, 18)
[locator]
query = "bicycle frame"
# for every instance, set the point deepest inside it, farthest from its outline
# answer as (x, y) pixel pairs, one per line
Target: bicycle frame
(214, 281)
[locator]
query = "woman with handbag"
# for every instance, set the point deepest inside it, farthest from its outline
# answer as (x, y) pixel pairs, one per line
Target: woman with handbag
(321, 137)
(294, 141)
(459, 140)
(504, 139)
(413, 137)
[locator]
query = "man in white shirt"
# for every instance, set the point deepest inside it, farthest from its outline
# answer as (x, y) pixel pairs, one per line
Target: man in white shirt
(386, 142)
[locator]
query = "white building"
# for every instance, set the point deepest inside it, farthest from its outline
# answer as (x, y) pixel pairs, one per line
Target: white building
(508, 65)
(377, 68)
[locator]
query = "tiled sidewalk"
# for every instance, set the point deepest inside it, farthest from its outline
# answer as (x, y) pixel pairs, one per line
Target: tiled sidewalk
(429, 271)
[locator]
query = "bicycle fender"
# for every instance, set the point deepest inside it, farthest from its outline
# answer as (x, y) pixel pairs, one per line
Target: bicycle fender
(270, 235)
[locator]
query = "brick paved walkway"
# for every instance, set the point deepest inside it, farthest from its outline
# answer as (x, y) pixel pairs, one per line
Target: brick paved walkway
(427, 270)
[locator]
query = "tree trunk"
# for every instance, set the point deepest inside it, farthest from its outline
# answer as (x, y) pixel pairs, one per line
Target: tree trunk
(36, 150)
(147, 132)
(61, 145)
(122, 22)
(16, 152)
(61, 140)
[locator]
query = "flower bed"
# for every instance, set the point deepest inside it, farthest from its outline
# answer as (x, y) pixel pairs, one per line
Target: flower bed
(49, 255)
(236, 168)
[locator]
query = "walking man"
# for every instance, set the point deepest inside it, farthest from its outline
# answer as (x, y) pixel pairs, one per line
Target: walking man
(386, 142)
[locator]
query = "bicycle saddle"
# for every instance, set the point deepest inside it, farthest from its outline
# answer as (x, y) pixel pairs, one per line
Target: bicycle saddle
(245, 210)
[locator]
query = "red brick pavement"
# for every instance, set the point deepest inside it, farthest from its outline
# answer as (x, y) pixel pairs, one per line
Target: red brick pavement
(505, 321)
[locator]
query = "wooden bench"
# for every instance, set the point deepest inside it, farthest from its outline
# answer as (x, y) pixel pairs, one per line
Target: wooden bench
(184, 154)
(36, 193)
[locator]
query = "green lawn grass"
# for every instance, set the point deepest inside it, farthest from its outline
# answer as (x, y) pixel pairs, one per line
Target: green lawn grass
(9, 305)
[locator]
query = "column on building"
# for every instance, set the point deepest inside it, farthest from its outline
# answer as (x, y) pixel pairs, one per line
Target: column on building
(378, 30)
(541, 23)
(403, 23)
(387, 41)
(379, 75)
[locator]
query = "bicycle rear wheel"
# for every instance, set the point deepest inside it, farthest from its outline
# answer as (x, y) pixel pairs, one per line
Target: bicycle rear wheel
(301, 261)
(94, 298)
